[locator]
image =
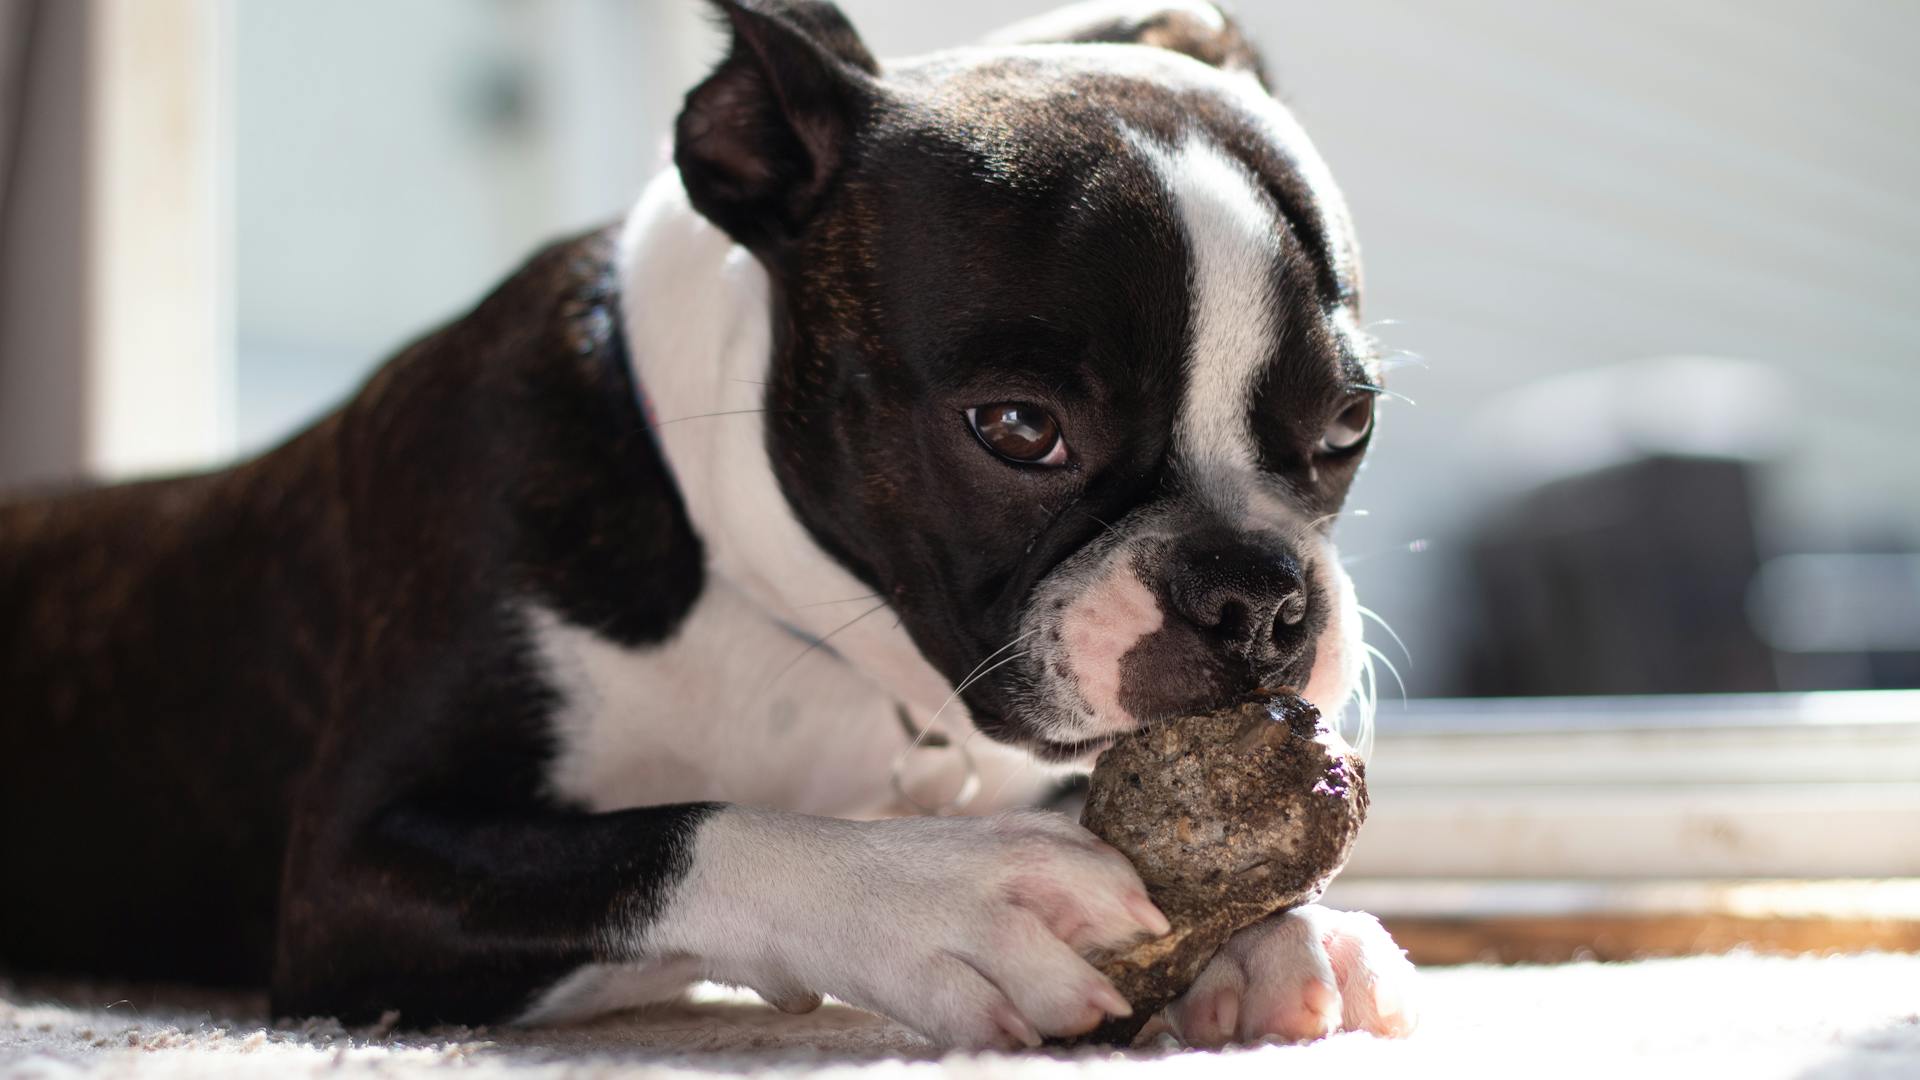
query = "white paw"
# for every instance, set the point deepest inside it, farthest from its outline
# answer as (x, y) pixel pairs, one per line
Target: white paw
(968, 930)
(1298, 976)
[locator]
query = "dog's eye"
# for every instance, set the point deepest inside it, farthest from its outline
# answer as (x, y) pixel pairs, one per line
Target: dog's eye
(1022, 433)
(1350, 428)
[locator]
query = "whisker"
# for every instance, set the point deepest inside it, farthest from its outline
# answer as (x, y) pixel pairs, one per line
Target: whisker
(830, 603)
(1108, 525)
(1383, 392)
(963, 686)
(900, 759)
(1367, 701)
(1368, 723)
(821, 643)
(703, 416)
(1368, 613)
(976, 672)
(964, 683)
(1395, 672)
(730, 412)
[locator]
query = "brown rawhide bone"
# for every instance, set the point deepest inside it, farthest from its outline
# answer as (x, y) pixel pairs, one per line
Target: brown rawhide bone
(1229, 817)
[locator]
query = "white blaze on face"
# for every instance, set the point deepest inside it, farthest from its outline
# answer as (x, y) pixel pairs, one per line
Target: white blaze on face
(1233, 233)
(1233, 238)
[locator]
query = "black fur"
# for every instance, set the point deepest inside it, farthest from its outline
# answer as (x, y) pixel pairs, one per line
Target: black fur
(281, 721)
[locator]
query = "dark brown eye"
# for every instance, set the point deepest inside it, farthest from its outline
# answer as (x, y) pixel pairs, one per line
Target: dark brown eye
(1351, 427)
(1019, 432)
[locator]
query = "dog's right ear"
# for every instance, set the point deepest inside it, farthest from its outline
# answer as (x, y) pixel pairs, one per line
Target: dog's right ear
(761, 140)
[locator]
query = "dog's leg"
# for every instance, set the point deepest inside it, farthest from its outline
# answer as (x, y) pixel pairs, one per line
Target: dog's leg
(1297, 976)
(451, 915)
(969, 930)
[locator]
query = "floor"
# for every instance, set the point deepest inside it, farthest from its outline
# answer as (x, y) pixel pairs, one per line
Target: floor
(1733, 1016)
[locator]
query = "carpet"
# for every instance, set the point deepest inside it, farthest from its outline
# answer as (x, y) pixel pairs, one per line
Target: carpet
(1812, 1018)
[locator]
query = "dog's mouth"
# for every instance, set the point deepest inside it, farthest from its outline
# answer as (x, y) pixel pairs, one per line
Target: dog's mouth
(1004, 729)
(1081, 751)
(1086, 751)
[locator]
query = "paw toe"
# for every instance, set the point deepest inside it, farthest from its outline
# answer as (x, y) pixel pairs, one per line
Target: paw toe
(1209, 1019)
(1308, 1010)
(1378, 983)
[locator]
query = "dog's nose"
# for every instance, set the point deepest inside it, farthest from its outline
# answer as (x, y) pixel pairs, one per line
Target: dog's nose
(1253, 597)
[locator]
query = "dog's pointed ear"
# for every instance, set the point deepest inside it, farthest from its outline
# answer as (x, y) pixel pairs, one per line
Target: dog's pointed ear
(761, 139)
(1197, 28)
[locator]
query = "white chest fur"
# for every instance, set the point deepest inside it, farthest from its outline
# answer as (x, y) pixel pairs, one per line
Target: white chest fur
(734, 706)
(729, 709)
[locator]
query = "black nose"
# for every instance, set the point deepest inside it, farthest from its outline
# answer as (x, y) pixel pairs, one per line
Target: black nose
(1254, 597)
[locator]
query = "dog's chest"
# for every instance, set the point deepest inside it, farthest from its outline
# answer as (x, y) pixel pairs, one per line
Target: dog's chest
(733, 707)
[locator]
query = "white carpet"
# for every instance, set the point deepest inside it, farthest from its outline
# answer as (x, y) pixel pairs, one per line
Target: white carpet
(1739, 1016)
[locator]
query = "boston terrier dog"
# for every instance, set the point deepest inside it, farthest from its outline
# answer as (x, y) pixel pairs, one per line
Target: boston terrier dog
(925, 427)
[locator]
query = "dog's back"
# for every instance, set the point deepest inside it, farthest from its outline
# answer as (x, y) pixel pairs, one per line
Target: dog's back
(180, 659)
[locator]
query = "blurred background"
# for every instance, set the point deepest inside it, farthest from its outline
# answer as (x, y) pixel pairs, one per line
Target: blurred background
(1647, 272)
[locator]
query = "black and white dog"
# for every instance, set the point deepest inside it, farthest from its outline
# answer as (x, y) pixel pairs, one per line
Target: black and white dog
(600, 642)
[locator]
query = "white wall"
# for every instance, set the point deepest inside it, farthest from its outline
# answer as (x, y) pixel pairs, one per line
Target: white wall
(396, 159)
(114, 336)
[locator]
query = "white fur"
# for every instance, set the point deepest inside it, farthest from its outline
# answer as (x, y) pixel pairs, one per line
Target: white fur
(600, 988)
(698, 321)
(1233, 234)
(721, 711)
(726, 708)
(957, 927)
(1300, 975)
(735, 708)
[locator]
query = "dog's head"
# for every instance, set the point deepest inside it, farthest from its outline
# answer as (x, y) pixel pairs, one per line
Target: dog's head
(1067, 357)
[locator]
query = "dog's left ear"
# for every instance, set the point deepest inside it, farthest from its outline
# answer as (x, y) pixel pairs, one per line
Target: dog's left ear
(760, 141)
(1201, 29)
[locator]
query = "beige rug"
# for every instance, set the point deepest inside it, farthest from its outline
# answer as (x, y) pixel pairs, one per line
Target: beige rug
(1738, 1016)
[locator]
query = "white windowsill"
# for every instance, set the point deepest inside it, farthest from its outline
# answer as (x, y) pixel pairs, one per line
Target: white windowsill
(1712, 787)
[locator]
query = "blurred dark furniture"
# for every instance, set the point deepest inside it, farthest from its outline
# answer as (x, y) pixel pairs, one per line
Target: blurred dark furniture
(1628, 580)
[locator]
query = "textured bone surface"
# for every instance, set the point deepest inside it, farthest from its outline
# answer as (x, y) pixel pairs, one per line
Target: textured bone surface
(1229, 817)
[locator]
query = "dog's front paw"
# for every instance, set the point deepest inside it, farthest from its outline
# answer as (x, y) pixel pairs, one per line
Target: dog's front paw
(995, 925)
(968, 930)
(1298, 976)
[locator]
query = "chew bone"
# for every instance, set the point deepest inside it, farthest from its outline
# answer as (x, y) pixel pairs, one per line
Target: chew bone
(1229, 817)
